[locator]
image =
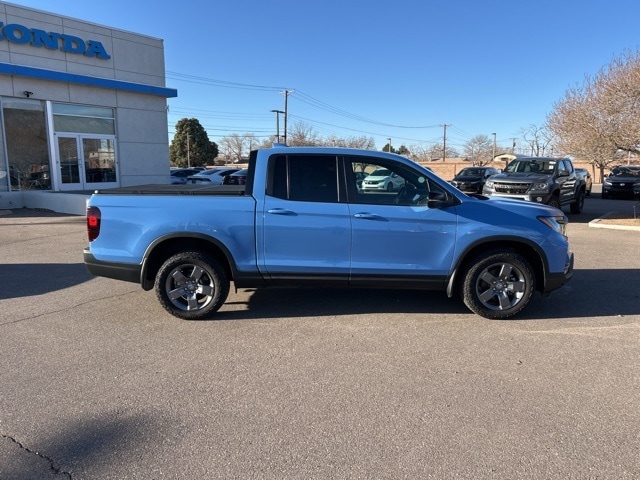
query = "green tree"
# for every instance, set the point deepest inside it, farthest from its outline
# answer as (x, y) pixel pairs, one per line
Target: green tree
(190, 146)
(388, 148)
(403, 151)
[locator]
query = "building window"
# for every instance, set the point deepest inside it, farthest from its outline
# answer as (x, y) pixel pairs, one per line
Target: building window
(25, 133)
(83, 119)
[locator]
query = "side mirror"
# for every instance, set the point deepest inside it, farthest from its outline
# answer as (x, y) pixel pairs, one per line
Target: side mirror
(436, 200)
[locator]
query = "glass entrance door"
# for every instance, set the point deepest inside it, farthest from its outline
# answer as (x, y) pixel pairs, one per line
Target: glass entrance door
(86, 162)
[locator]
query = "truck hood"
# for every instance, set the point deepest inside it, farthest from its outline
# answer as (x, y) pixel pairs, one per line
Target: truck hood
(520, 177)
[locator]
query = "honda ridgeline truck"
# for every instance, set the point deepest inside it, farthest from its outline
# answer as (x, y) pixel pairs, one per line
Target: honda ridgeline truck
(303, 219)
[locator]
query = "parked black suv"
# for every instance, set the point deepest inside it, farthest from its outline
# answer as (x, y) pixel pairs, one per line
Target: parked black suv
(472, 179)
(548, 180)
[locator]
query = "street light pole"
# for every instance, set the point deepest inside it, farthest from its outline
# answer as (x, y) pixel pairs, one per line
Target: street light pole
(389, 144)
(278, 112)
(494, 147)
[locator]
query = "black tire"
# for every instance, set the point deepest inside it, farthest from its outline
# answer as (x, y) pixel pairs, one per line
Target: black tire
(498, 284)
(389, 187)
(554, 201)
(578, 205)
(191, 285)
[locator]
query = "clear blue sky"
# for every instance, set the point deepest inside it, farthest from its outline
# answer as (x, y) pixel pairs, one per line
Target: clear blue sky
(396, 70)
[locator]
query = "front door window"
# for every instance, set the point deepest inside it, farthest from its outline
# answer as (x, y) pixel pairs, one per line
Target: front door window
(86, 162)
(86, 146)
(68, 155)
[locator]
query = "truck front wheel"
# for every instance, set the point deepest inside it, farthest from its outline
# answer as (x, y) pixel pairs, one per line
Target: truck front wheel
(576, 207)
(498, 284)
(554, 201)
(191, 285)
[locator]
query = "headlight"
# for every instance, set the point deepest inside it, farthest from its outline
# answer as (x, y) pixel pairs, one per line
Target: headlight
(607, 182)
(539, 186)
(557, 223)
(489, 184)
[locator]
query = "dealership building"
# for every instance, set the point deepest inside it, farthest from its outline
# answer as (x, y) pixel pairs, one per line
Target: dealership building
(82, 106)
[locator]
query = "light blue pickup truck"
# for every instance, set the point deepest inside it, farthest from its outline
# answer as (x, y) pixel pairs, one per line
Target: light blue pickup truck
(304, 218)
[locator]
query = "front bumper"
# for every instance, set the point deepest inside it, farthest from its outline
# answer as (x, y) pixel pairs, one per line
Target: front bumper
(620, 191)
(529, 197)
(553, 281)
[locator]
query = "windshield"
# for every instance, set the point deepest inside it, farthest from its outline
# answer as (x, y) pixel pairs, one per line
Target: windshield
(626, 172)
(531, 166)
(471, 172)
(381, 172)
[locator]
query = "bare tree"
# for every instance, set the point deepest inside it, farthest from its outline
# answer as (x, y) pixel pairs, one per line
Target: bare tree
(302, 134)
(599, 120)
(233, 147)
(366, 143)
(479, 150)
(538, 140)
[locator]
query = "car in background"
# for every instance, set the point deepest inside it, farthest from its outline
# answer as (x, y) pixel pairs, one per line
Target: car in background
(360, 176)
(212, 176)
(236, 178)
(472, 179)
(382, 179)
(178, 176)
(623, 181)
(586, 176)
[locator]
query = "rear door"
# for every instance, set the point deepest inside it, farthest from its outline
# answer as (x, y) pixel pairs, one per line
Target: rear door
(304, 232)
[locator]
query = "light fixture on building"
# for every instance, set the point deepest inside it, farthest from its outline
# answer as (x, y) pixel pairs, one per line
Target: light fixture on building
(27, 93)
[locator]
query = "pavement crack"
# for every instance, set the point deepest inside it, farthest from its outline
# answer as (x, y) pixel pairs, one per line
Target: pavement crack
(49, 460)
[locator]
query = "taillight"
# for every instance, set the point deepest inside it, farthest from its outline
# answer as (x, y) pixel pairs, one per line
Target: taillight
(93, 223)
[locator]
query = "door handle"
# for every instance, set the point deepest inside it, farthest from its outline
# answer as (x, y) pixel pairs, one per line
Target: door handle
(369, 216)
(281, 211)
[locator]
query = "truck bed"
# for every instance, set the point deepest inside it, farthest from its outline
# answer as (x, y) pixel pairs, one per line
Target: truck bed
(168, 189)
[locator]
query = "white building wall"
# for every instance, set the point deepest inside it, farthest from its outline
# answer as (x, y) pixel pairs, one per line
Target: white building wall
(141, 118)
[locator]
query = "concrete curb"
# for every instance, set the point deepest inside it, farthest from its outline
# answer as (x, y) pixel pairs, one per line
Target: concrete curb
(597, 223)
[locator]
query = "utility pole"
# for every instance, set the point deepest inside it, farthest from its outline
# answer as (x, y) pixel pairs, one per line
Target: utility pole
(389, 144)
(444, 142)
(188, 159)
(286, 96)
(278, 112)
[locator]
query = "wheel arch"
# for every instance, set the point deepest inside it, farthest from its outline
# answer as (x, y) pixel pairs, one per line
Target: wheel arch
(529, 250)
(164, 247)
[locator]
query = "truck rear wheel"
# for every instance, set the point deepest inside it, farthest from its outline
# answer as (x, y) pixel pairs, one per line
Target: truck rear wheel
(498, 284)
(191, 285)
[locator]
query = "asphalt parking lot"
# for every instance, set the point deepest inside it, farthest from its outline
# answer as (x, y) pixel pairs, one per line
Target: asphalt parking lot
(99, 382)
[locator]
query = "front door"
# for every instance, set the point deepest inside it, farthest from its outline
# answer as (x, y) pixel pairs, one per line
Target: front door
(85, 162)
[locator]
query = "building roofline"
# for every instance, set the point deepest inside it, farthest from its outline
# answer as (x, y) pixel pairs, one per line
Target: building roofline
(40, 73)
